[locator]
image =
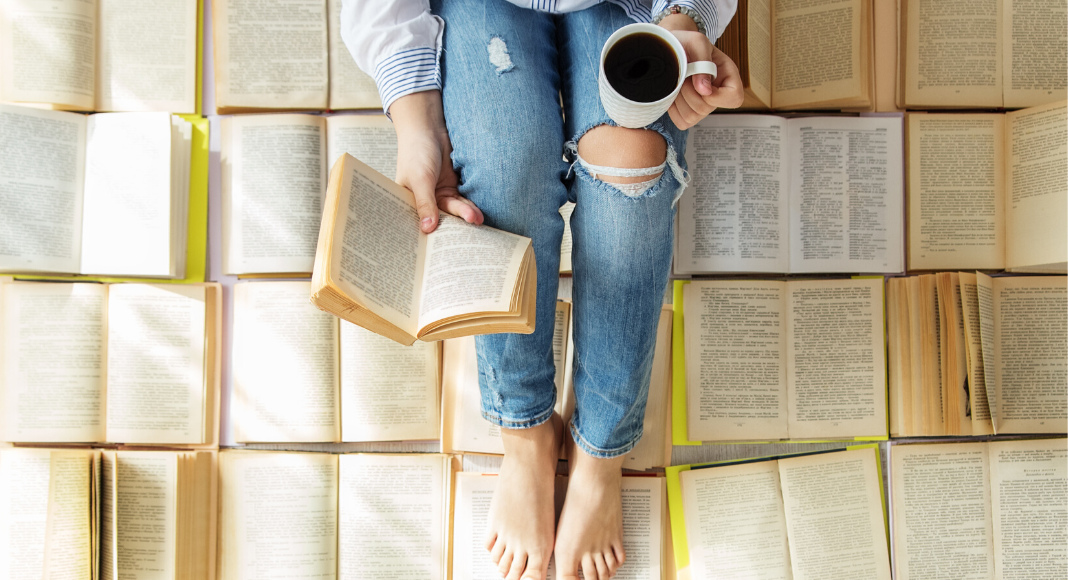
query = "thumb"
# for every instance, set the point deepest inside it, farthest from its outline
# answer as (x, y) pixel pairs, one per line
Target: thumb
(422, 185)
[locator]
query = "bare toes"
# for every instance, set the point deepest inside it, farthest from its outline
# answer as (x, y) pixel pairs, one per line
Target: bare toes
(506, 563)
(621, 556)
(491, 538)
(589, 569)
(602, 567)
(536, 568)
(498, 551)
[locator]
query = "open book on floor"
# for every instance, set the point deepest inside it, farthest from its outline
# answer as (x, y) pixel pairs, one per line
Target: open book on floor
(120, 363)
(375, 268)
(104, 194)
(319, 515)
(85, 514)
(101, 55)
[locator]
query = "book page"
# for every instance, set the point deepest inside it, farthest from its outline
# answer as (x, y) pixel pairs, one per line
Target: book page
(984, 290)
(1027, 482)
(836, 359)
(846, 195)
(1031, 361)
(148, 56)
(278, 515)
(24, 485)
(977, 397)
(1035, 52)
(285, 365)
(53, 360)
(953, 54)
(956, 414)
(392, 513)
(473, 495)
(389, 392)
(955, 181)
(654, 448)
(350, 87)
(156, 353)
(1037, 187)
(49, 52)
(41, 176)
(759, 48)
(735, 361)
(733, 217)
(270, 54)
(369, 138)
(126, 220)
(274, 176)
(834, 516)
(818, 47)
(566, 240)
(942, 526)
(68, 532)
(735, 524)
(146, 514)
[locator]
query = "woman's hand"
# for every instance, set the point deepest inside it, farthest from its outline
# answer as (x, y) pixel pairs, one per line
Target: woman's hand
(423, 162)
(700, 94)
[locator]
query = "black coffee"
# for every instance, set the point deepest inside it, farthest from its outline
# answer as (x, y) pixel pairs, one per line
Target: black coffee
(642, 67)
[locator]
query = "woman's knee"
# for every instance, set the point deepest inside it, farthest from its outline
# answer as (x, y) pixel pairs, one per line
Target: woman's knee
(623, 155)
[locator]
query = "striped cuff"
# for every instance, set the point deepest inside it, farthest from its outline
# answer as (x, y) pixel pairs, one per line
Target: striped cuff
(707, 10)
(406, 72)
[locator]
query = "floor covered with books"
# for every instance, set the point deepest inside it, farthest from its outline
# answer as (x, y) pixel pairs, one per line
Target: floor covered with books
(861, 362)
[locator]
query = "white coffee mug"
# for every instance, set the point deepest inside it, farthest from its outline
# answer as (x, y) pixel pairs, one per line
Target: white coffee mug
(634, 114)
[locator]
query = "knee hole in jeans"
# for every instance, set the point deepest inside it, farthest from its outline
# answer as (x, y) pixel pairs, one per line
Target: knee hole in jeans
(623, 156)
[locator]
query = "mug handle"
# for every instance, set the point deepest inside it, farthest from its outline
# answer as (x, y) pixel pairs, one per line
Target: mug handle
(702, 67)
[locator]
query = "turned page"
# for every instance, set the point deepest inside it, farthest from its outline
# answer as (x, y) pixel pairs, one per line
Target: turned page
(41, 176)
(820, 51)
(48, 52)
(953, 53)
(389, 392)
(978, 405)
(834, 516)
(270, 54)
(956, 191)
(735, 360)
(1027, 482)
(145, 514)
(278, 515)
(942, 526)
(759, 48)
(350, 87)
(1036, 191)
(984, 293)
(392, 514)
(1035, 53)
(68, 532)
(734, 217)
(369, 138)
(846, 195)
(53, 359)
(156, 388)
(735, 524)
(285, 365)
(126, 220)
(1031, 354)
(274, 176)
(836, 358)
(147, 56)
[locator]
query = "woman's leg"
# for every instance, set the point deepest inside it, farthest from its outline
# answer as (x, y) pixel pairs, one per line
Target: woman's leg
(625, 185)
(503, 115)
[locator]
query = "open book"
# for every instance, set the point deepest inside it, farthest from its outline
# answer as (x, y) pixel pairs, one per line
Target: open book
(85, 514)
(121, 363)
(982, 54)
(803, 54)
(274, 178)
(100, 55)
(980, 510)
(106, 194)
(770, 360)
(285, 54)
(349, 517)
(818, 515)
(645, 528)
(301, 375)
(975, 355)
(375, 268)
(803, 195)
(989, 191)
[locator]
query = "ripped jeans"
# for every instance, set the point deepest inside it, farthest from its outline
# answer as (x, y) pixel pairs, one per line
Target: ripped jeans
(505, 71)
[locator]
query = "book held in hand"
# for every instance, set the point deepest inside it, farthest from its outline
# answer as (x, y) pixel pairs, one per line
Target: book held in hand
(375, 268)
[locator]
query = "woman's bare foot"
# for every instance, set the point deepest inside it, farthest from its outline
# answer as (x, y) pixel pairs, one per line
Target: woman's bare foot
(590, 532)
(519, 536)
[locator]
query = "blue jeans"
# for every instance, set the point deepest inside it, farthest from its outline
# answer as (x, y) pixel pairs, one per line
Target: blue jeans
(508, 135)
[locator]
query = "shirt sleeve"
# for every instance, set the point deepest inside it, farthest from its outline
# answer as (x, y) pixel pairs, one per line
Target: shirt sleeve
(397, 42)
(715, 13)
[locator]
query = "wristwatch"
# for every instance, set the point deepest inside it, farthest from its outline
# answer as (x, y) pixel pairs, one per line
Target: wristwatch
(676, 9)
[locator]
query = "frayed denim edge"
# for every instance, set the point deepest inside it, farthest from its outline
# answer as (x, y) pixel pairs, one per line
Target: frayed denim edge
(592, 451)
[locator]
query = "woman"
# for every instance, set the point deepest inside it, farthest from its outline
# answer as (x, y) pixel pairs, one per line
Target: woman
(488, 98)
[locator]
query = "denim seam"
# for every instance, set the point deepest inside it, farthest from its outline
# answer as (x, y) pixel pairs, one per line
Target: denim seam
(538, 419)
(589, 449)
